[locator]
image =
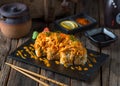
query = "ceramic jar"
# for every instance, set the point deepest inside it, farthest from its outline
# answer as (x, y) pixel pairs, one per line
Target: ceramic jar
(15, 21)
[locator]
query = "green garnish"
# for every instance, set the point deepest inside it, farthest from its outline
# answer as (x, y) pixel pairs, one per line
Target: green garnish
(48, 34)
(58, 31)
(35, 34)
(72, 38)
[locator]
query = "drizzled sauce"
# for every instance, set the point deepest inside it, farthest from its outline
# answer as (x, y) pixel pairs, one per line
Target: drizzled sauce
(29, 51)
(20, 53)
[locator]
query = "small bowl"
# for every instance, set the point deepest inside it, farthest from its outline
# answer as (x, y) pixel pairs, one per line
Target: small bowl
(101, 37)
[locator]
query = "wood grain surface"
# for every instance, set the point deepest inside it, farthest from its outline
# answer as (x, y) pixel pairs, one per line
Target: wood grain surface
(109, 73)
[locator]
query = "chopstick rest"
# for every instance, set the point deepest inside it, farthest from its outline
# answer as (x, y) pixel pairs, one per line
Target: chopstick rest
(30, 73)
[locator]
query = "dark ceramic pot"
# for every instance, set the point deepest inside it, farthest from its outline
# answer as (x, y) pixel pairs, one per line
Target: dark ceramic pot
(15, 21)
(112, 13)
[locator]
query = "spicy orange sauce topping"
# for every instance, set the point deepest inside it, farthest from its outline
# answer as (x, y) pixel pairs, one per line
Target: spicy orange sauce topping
(82, 21)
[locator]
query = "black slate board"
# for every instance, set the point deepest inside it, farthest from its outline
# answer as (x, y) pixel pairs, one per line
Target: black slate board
(84, 75)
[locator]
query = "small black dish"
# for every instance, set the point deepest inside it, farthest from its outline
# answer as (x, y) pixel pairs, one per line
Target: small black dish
(64, 30)
(101, 37)
(80, 27)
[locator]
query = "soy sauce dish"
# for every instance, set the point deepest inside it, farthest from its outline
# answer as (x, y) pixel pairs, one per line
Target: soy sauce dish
(101, 37)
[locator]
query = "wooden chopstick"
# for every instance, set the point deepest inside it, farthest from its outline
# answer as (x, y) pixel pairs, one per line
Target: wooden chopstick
(37, 80)
(27, 72)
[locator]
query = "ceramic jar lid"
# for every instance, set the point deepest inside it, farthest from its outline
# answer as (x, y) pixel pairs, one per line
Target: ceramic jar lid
(14, 13)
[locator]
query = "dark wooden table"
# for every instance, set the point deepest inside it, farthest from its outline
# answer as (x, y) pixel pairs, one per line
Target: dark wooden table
(108, 75)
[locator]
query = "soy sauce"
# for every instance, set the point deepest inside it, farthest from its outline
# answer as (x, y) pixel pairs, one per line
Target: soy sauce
(101, 37)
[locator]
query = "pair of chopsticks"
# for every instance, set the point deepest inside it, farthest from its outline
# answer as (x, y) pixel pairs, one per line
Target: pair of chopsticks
(33, 76)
